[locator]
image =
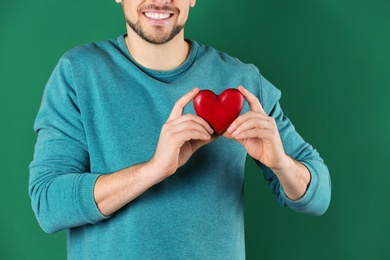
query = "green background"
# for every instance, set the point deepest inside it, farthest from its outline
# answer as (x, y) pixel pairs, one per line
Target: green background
(331, 59)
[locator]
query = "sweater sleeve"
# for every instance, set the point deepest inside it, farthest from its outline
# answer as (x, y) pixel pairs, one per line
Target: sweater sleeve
(317, 197)
(60, 184)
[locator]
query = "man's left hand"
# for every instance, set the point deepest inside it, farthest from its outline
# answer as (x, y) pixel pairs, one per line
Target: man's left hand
(258, 133)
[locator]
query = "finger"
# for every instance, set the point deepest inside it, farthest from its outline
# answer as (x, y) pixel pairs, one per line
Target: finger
(179, 136)
(252, 100)
(178, 108)
(188, 135)
(261, 123)
(245, 117)
(195, 119)
(251, 133)
(199, 143)
(177, 126)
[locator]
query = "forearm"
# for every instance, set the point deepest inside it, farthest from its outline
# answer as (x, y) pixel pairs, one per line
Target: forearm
(294, 178)
(63, 200)
(115, 190)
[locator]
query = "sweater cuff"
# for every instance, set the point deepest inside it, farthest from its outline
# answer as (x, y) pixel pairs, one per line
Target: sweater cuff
(316, 199)
(87, 204)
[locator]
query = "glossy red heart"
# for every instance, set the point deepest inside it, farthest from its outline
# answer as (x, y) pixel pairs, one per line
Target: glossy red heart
(219, 110)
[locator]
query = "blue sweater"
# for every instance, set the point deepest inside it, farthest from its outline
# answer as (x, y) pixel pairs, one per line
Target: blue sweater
(102, 112)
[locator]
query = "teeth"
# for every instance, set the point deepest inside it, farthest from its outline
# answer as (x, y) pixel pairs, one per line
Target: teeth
(157, 16)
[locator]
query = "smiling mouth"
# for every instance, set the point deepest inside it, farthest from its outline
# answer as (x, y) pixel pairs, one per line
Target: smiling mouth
(157, 15)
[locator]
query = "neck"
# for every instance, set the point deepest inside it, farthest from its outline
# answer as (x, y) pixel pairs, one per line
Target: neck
(160, 57)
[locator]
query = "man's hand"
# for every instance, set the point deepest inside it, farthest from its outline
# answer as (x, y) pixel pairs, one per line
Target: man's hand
(180, 137)
(258, 133)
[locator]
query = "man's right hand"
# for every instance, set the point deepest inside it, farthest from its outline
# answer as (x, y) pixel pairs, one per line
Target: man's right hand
(180, 137)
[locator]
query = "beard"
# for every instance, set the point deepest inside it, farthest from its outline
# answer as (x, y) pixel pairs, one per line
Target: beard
(159, 37)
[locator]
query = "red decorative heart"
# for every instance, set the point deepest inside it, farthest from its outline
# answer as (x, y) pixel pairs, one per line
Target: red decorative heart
(219, 110)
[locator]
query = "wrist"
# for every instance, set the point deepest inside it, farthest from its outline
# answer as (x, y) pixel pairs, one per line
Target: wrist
(285, 165)
(155, 171)
(294, 178)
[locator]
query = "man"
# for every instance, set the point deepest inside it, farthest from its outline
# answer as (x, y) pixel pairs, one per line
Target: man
(123, 162)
